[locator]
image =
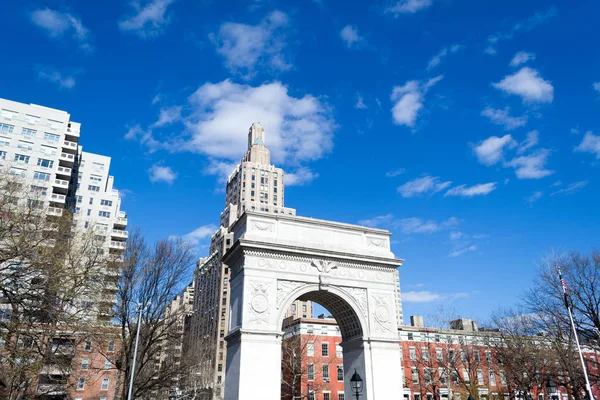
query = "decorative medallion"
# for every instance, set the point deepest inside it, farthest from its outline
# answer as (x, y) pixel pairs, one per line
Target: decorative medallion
(262, 226)
(259, 302)
(382, 314)
(376, 242)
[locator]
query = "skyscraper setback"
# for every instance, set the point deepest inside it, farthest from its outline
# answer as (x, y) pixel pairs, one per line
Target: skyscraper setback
(254, 185)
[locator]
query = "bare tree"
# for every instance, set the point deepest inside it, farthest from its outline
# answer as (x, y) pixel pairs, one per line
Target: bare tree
(151, 277)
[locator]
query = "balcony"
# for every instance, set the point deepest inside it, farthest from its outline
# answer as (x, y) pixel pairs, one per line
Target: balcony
(118, 233)
(55, 211)
(67, 158)
(61, 185)
(69, 145)
(58, 198)
(116, 245)
(73, 132)
(63, 171)
(121, 219)
(52, 389)
(54, 370)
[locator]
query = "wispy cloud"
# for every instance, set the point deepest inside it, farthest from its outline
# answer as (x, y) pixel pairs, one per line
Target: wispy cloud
(590, 144)
(462, 250)
(424, 296)
(527, 84)
(198, 235)
(247, 47)
(411, 225)
(168, 115)
(421, 186)
(572, 188)
(521, 58)
(59, 24)
(502, 117)
(522, 26)
(379, 221)
(148, 20)
(396, 172)
(481, 189)
(62, 79)
(351, 37)
(360, 104)
(445, 51)
(532, 139)
(407, 7)
(408, 100)
(302, 176)
(491, 150)
(535, 196)
(158, 173)
(532, 166)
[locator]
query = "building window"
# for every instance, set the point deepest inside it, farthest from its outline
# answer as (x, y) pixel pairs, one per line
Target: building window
(410, 336)
(325, 349)
(79, 198)
(91, 200)
(414, 375)
(45, 163)
(326, 372)
(488, 357)
(492, 378)
(93, 188)
(51, 137)
(427, 375)
(309, 329)
(502, 378)
(28, 132)
(340, 373)
(310, 349)
(412, 354)
(326, 396)
(107, 364)
(311, 372)
(293, 307)
(105, 214)
(95, 178)
(476, 355)
(220, 367)
(340, 396)
(21, 158)
(88, 345)
(439, 355)
(111, 346)
(106, 203)
(81, 383)
(5, 128)
(41, 176)
(89, 211)
(480, 380)
(339, 351)
(425, 353)
(105, 382)
(451, 355)
(417, 396)
(85, 363)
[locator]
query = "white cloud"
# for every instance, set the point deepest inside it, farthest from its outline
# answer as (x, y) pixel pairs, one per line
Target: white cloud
(246, 47)
(408, 7)
(409, 99)
(145, 137)
(521, 58)
(572, 188)
(456, 235)
(590, 144)
(529, 85)
(360, 105)
(596, 86)
(527, 25)
(159, 173)
(168, 115)
(300, 177)
(417, 225)
(296, 128)
(222, 169)
(350, 36)
(502, 117)
(491, 150)
(490, 50)
(424, 185)
(396, 172)
(50, 74)
(149, 20)
(532, 140)
(197, 235)
(437, 59)
(532, 166)
(424, 296)
(462, 250)
(535, 196)
(58, 24)
(481, 189)
(379, 221)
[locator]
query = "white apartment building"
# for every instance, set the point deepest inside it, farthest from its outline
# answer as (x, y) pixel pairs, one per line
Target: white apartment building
(41, 146)
(254, 185)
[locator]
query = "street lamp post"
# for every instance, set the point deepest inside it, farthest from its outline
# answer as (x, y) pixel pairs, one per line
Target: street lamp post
(356, 383)
(137, 340)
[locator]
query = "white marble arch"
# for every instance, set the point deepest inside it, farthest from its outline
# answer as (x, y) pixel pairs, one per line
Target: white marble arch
(348, 269)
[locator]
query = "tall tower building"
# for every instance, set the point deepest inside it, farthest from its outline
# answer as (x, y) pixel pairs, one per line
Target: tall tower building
(254, 185)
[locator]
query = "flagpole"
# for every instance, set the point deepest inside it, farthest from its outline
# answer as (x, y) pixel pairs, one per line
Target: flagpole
(566, 297)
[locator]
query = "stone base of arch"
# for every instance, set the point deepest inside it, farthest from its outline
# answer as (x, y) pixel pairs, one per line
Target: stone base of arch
(349, 269)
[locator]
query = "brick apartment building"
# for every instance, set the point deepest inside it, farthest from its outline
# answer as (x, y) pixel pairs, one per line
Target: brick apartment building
(437, 364)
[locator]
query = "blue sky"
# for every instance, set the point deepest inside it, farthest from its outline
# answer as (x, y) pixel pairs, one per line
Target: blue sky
(467, 128)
